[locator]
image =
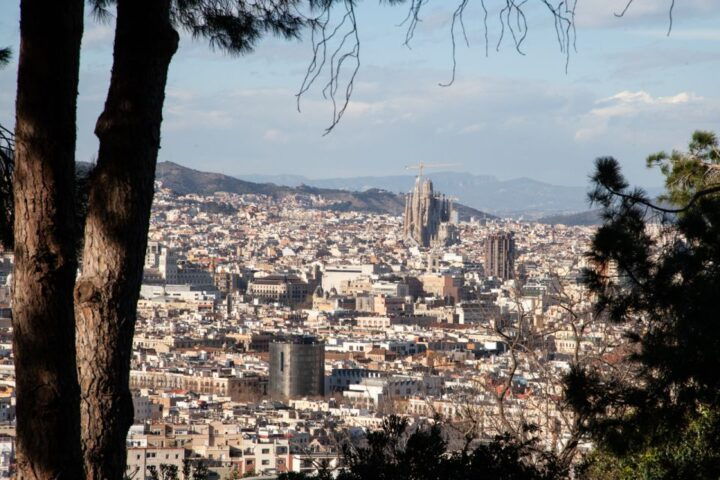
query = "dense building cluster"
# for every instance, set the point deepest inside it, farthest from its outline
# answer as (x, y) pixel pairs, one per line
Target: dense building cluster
(271, 331)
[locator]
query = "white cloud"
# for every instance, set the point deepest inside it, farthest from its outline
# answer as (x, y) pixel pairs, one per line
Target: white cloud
(630, 104)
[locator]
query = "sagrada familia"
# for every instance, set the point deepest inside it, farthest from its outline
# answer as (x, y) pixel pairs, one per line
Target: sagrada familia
(428, 219)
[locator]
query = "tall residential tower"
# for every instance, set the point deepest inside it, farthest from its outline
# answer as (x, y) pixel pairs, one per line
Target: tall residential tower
(500, 255)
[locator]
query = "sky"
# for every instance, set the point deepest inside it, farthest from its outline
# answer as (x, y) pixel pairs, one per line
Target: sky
(629, 90)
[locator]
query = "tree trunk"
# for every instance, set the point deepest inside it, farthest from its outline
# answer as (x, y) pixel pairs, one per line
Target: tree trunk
(48, 433)
(116, 230)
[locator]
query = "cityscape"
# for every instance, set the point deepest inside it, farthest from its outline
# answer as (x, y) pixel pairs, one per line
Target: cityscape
(269, 330)
(357, 240)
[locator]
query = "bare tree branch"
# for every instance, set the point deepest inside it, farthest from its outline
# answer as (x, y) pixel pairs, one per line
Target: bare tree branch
(637, 199)
(336, 43)
(333, 58)
(670, 13)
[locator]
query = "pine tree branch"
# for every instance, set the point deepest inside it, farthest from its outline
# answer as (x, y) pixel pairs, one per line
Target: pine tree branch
(640, 200)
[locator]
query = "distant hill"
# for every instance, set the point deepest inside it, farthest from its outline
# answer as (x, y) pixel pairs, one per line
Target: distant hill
(590, 217)
(519, 197)
(183, 180)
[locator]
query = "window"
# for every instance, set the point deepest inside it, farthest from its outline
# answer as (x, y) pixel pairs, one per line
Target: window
(282, 361)
(266, 462)
(265, 451)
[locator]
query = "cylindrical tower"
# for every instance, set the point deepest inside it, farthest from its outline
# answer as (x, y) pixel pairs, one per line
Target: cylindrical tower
(297, 368)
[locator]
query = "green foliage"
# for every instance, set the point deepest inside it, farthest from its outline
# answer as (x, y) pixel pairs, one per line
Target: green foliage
(686, 173)
(393, 453)
(690, 453)
(663, 419)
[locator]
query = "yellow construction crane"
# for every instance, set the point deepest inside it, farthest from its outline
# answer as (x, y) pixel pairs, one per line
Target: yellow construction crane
(422, 166)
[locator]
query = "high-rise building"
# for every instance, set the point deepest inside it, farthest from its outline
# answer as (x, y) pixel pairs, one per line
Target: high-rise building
(427, 219)
(500, 255)
(297, 368)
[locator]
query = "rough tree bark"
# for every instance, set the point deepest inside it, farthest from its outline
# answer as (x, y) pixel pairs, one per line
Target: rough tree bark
(48, 433)
(121, 193)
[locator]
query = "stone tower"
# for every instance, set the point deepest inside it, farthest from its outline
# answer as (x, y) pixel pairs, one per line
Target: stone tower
(427, 216)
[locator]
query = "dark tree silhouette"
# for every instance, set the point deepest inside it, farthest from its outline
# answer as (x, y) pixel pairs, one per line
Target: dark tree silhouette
(396, 453)
(667, 259)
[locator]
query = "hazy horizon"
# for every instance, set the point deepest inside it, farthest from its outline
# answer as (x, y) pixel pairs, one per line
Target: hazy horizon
(270, 176)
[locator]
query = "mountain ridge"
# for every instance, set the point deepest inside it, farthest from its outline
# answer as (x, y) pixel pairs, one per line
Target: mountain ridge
(516, 197)
(586, 218)
(184, 180)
